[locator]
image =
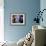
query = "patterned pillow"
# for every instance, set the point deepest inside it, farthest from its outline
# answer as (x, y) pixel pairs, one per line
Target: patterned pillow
(28, 40)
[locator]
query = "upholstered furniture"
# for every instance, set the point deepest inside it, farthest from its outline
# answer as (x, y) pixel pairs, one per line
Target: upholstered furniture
(39, 33)
(26, 41)
(39, 36)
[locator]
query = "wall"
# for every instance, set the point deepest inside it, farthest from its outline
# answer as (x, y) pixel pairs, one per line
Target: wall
(29, 8)
(42, 6)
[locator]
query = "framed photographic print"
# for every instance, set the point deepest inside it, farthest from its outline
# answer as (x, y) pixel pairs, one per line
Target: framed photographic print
(17, 19)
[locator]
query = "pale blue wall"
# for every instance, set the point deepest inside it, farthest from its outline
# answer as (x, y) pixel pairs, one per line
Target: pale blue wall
(29, 8)
(43, 6)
